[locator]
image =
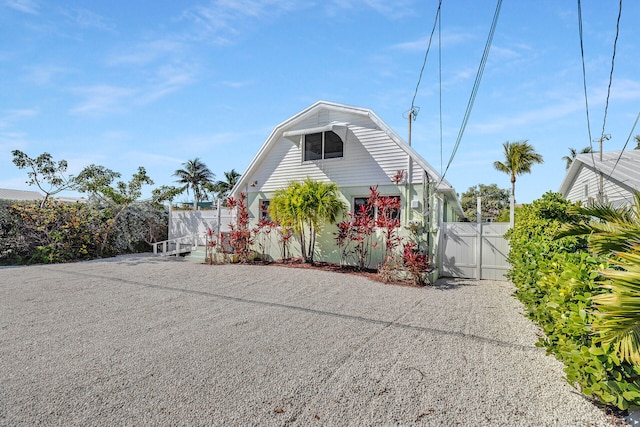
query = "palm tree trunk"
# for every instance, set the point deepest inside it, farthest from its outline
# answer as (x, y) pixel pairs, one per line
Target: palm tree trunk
(312, 244)
(303, 248)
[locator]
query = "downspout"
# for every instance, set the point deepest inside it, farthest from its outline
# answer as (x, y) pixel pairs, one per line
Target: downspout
(427, 207)
(409, 180)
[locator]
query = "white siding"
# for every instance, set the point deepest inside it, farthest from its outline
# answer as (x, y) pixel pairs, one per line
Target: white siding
(324, 117)
(589, 178)
(370, 158)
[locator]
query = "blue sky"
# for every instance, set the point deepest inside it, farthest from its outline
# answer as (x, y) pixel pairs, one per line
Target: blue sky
(153, 84)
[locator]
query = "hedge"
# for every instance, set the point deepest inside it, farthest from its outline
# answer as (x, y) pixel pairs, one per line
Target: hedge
(555, 279)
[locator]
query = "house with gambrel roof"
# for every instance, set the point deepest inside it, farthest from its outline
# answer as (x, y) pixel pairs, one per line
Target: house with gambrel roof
(353, 148)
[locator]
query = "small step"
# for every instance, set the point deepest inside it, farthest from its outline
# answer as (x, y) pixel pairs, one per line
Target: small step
(198, 255)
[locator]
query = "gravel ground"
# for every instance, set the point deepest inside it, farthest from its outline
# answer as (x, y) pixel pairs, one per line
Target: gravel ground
(140, 340)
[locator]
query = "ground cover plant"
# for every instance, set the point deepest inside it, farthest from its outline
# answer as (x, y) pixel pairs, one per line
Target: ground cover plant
(299, 210)
(559, 279)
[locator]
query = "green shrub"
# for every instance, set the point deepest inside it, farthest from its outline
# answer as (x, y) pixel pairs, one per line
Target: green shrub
(555, 280)
(56, 232)
(62, 232)
(139, 226)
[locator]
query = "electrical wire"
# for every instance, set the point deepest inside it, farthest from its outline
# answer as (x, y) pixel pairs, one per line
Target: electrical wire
(440, 81)
(476, 86)
(613, 57)
(625, 145)
(584, 83)
(424, 62)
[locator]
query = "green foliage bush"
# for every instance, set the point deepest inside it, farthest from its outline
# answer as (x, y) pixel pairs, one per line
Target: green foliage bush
(55, 232)
(555, 280)
(139, 226)
(63, 232)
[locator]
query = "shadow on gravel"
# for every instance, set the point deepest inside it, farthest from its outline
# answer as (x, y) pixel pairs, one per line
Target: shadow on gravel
(451, 283)
(137, 259)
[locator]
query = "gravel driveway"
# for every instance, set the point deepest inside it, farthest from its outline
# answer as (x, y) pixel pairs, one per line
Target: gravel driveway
(154, 341)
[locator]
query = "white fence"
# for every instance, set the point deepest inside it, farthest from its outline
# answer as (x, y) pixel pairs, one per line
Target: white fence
(196, 223)
(473, 250)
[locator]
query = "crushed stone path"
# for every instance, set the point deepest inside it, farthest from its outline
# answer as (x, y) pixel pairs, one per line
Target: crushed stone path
(140, 340)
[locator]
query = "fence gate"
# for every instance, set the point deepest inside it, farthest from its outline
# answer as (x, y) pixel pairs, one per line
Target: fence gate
(473, 250)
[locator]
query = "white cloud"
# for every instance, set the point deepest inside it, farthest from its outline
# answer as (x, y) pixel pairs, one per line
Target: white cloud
(169, 80)
(531, 117)
(449, 39)
(9, 117)
(45, 74)
(238, 84)
(221, 21)
(625, 89)
(390, 8)
(87, 19)
(103, 98)
(146, 53)
(100, 99)
(154, 159)
(26, 6)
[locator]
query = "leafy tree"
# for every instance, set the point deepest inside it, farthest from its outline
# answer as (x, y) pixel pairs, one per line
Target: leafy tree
(573, 153)
(615, 233)
(98, 182)
(222, 188)
(519, 156)
(494, 201)
(306, 207)
(195, 176)
(164, 193)
(46, 174)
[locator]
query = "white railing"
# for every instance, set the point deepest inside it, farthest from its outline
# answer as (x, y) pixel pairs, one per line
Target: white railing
(177, 246)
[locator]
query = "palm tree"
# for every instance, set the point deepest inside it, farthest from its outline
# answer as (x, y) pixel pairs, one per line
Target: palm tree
(616, 233)
(194, 176)
(637, 138)
(573, 153)
(222, 188)
(306, 207)
(519, 157)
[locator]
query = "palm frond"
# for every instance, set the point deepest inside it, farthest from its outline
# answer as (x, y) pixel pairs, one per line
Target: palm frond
(619, 311)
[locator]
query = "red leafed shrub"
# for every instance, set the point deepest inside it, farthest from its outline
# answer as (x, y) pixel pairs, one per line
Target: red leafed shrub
(416, 262)
(240, 236)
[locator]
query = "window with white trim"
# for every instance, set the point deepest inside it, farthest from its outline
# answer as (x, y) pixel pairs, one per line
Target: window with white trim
(322, 145)
(264, 210)
(372, 212)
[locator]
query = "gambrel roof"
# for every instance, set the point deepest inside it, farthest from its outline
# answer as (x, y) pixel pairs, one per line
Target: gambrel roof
(619, 168)
(295, 126)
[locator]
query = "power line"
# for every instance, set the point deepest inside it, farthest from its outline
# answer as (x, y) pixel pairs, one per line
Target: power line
(424, 62)
(584, 82)
(476, 86)
(625, 145)
(613, 57)
(440, 81)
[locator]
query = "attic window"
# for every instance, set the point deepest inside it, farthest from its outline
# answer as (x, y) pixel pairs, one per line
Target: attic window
(322, 145)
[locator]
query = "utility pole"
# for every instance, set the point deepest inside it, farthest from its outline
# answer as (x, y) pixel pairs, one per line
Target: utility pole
(407, 182)
(604, 137)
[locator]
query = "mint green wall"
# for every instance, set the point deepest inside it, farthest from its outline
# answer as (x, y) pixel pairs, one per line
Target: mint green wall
(326, 247)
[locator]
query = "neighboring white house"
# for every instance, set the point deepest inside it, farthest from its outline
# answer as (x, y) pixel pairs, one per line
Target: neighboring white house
(618, 171)
(28, 195)
(355, 149)
(22, 195)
